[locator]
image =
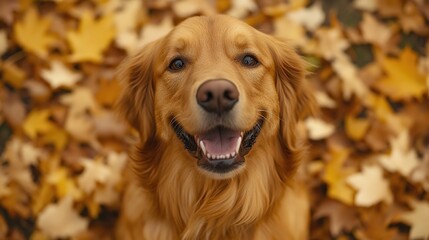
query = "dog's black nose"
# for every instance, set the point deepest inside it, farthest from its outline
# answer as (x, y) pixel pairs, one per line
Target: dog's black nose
(217, 96)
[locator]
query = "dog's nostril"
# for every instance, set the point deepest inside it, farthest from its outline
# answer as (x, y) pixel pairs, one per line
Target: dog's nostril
(217, 95)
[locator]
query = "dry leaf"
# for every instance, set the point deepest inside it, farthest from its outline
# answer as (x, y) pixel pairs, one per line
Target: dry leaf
(318, 129)
(32, 33)
(332, 43)
(341, 217)
(371, 187)
(152, 32)
(80, 101)
(241, 8)
(37, 122)
(311, 17)
(367, 5)
(375, 32)
(92, 38)
(352, 84)
(61, 220)
(418, 219)
(94, 172)
(324, 100)
(403, 80)
(335, 176)
(356, 128)
(13, 74)
(402, 159)
(60, 76)
(7, 8)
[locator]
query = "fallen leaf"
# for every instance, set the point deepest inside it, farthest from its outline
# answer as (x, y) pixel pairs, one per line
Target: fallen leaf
(13, 74)
(352, 84)
(37, 122)
(4, 184)
(356, 128)
(418, 220)
(241, 8)
(310, 17)
(92, 38)
(371, 187)
(335, 176)
(374, 31)
(341, 217)
(32, 33)
(367, 5)
(332, 43)
(94, 172)
(403, 80)
(80, 101)
(402, 159)
(108, 92)
(324, 100)
(127, 18)
(318, 129)
(61, 220)
(60, 76)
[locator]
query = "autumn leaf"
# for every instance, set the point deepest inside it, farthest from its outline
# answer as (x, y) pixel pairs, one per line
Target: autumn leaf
(403, 80)
(371, 187)
(61, 220)
(375, 32)
(94, 172)
(401, 159)
(418, 220)
(3, 42)
(311, 17)
(356, 128)
(13, 74)
(32, 33)
(335, 176)
(37, 122)
(60, 76)
(92, 38)
(318, 129)
(341, 217)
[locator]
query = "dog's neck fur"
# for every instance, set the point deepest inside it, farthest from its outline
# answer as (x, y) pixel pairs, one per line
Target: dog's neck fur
(207, 208)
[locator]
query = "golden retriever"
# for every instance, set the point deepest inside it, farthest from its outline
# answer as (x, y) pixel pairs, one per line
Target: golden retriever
(216, 104)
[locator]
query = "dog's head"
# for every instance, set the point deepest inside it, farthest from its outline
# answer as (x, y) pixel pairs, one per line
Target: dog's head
(216, 84)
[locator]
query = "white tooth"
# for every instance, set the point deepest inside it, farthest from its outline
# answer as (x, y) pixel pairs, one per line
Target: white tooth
(209, 156)
(238, 145)
(218, 157)
(203, 147)
(228, 155)
(222, 156)
(233, 154)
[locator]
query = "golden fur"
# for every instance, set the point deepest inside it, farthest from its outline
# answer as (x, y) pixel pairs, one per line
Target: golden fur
(170, 197)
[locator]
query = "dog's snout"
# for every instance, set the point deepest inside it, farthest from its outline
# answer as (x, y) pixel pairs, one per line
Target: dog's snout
(217, 96)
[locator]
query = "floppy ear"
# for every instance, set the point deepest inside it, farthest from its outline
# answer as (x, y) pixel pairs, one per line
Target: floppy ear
(295, 97)
(137, 98)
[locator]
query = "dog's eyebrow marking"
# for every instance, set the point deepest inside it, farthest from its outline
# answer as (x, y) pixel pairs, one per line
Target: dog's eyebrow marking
(180, 44)
(240, 41)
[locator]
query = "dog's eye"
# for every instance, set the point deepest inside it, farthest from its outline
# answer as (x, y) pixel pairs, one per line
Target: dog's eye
(249, 61)
(176, 65)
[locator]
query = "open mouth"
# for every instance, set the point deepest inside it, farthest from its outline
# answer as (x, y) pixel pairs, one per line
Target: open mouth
(220, 149)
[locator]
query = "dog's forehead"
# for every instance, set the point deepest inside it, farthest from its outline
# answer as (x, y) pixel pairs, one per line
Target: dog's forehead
(212, 28)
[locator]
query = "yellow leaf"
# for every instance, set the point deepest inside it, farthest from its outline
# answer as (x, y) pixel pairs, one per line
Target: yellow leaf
(92, 38)
(43, 197)
(403, 80)
(356, 128)
(335, 176)
(32, 33)
(57, 137)
(13, 74)
(37, 122)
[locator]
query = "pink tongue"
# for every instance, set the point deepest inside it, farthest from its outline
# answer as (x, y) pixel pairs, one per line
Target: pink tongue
(220, 141)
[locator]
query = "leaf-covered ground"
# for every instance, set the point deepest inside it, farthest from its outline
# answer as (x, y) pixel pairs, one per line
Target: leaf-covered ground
(63, 150)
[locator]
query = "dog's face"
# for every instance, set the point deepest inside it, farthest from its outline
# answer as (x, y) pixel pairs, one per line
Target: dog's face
(216, 84)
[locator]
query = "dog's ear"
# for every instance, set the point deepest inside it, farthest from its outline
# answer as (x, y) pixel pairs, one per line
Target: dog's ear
(295, 97)
(136, 102)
